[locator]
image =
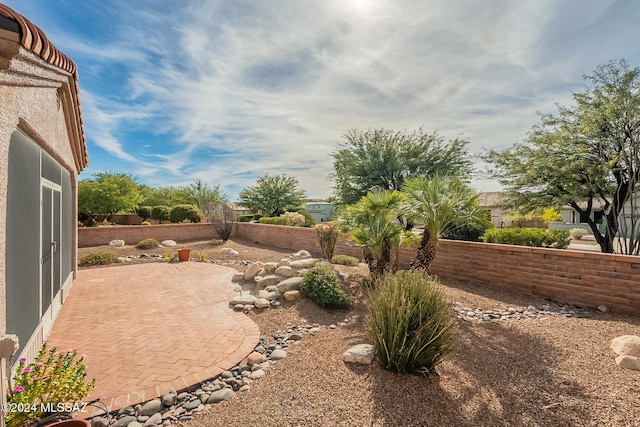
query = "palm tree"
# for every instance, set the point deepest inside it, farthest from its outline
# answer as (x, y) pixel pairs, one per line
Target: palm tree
(440, 204)
(373, 226)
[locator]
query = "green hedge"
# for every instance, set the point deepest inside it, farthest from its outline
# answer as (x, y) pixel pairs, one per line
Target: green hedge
(538, 237)
(181, 212)
(273, 220)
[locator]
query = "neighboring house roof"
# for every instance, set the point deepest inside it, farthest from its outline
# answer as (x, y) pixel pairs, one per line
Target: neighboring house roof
(15, 27)
(490, 199)
(598, 205)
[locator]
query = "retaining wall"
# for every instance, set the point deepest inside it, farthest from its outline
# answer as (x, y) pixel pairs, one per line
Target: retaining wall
(132, 234)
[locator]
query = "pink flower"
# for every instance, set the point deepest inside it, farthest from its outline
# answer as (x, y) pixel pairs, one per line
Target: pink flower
(36, 378)
(27, 369)
(18, 389)
(22, 360)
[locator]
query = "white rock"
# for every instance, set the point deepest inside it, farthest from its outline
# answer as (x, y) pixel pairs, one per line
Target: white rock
(626, 345)
(603, 308)
(253, 270)
(284, 261)
(121, 260)
(243, 299)
(290, 284)
(264, 281)
(261, 303)
(117, 243)
(302, 254)
(361, 353)
(285, 271)
(237, 277)
(628, 362)
(303, 263)
(168, 243)
(262, 293)
(270, 267)
(257, 374)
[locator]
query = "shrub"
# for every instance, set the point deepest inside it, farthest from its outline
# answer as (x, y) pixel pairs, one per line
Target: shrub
(469, 234)
(53, 378)
(321, 285)
(539, 237)
(202, 256)
(147, 244)
(273, 220)
(144, 212)
(99, 258)
(409, 323)
(327, 236)
(181, 212)
(294, 219)
(145, 223)
(160, 213)
(577, 233)
(309, 220)
(344, 260)
(216, 242)
(244, 218)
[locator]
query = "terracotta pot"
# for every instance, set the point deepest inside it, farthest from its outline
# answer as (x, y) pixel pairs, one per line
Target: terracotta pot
(184, 254)
(71, 423)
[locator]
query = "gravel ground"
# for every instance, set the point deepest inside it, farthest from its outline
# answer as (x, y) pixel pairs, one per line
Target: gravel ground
(558, 371)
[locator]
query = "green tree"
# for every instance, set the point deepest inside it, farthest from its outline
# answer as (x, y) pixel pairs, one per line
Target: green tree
(166, 196)
(107, 194)
(144, 212)
(207, 199)
(373, 225)
(160, 213)
(589, 151)
(273, 194)
(381, 159)
(440, 204)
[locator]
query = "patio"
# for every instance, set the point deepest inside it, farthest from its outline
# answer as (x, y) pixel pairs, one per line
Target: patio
(147, 328)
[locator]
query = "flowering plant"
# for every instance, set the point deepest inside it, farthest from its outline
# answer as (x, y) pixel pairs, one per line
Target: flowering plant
(327, 236)
(51, 380)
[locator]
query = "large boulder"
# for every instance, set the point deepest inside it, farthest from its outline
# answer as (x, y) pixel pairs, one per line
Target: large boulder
(303, 263)
(168, 243)
(253, 270)
(270, 267)
(626, 345)
(264, 281)
(301, 255)
(290, 284)
(261, 303)
(285, 271)
(116, 243)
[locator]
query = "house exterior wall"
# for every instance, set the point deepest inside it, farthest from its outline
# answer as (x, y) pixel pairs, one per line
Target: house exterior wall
(321, 212)
(38, 113)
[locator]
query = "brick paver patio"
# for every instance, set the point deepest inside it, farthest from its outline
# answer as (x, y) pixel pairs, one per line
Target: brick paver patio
(147, 328)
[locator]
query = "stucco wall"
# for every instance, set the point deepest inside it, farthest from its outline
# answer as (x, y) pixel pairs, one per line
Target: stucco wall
(31, 103)
(132, 234)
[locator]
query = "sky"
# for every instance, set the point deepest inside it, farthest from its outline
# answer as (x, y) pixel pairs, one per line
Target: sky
(227, 91)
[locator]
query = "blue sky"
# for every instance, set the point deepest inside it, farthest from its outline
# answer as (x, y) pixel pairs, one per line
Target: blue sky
(226, 91)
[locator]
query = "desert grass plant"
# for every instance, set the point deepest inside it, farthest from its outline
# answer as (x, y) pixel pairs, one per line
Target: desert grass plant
(55, 380)
(98, 258)
(409, 323)
(202, 256)
(328, 234)
(344, 260)
(577, 233)
(321, 285)
(147, 244)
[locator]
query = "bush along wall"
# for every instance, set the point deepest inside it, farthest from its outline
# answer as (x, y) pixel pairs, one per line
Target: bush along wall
(538, 237)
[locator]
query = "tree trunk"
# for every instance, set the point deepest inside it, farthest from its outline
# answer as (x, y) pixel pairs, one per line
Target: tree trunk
(426, 252)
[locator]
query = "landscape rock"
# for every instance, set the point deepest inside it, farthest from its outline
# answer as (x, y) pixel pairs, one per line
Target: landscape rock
(285, 271)
(270, 267)
(255, 358)
(628, 362)
(261, 303)
(603, 308)
(121, 260)
(290, 284)
(253, 270)
(220, 395)
(264, 281)
(257, 374)
(237, 277)
(302, 254)
(151, 407)
(278, 354)
(170, 398)
(291, 295)
(360, 353)
(243, 299)
(125, 421)
(116, 243)
(626, 345)
(99, 422)
(303, 263)
(238, 307)
(168, 243)
(283, 261)
(229, 251)
(154, 419)
(263, 293)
